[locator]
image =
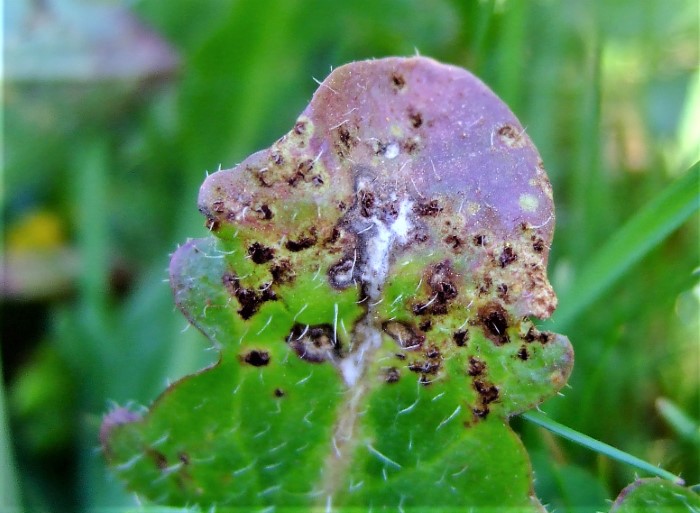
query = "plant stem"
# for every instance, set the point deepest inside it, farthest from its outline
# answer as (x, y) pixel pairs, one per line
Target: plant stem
(542, 420)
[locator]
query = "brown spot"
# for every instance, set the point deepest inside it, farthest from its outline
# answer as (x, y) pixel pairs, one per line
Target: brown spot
(184, 457)
(260, 254)
(366, 203)
(392, 375)
(404, 334)
(523, 354)
(485, 286)
(314, 344)
(302, 242)
(218, 207)
(300, 127)
(158, 458)
(487, 391)
(344, 136)
(409, 145)
(534, 334)
(502, 291)
(508, 256)
(441, 281)
(249, 299)
(212, 224)
(495, 321)
(538, 245)
(454, 241)
(400, 356)
(476, 366)
(481, 412)
(416, 119)
(511, 137)
(278, 392)
(282, 272)
(256, 358)
(277, 158)
(425, 325)
(398, 81)
(424, 367)
(460, 337)
(432, 352)
(264, 212)
(427, 208)
(479, 240)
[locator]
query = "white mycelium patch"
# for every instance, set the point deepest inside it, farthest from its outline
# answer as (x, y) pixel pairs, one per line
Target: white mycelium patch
(375, 266)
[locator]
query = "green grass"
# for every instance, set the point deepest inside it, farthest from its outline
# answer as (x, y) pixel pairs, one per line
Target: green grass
(605, 90)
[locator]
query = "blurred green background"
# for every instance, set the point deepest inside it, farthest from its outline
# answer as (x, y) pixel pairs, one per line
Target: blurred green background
(109, 131)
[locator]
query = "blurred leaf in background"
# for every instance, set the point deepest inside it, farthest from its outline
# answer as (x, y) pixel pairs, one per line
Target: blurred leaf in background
(104, 154)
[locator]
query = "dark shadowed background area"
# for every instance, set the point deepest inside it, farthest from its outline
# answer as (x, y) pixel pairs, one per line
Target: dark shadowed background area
(114, 111)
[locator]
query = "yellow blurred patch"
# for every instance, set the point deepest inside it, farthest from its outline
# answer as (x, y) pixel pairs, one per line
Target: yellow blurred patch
(37, 230)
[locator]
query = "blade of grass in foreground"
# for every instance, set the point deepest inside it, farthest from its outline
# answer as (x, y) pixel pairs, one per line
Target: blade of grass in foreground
(9, 489)
(629, 244)
(591, 443)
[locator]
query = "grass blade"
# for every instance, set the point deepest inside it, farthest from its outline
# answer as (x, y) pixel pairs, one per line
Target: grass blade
(633, 241)
(600, 447)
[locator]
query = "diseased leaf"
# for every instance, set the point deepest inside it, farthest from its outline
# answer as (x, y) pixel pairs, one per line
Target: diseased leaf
(657, 495)
(368, 286)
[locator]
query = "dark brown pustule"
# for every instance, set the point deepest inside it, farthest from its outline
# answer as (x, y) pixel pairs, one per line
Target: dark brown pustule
(260, 254)
(460, 337)
(508, 256)
(256, 358)
(495, 321)
(476, 366)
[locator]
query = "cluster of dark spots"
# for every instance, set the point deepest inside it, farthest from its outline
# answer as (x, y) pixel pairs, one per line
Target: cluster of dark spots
(300, 127)
(476, 367)
(282, 272)
(344, 136)
(425, 325)
(533, 334)
(409, 145)
(367, 202)
(416, 118)
(427, 208)
(495, 321)
(485, 286)
(260, 254)
(420, 236)
(502, 291)
(392, 375)
(303, 242)
(454, 241)
(460, 337)
(341, 275)
(432, 352)
(277, 158)
(334, 236)
(487, 391)
(398, 81)
(400, 356)
(537, 244)
(303, 169)
(314, 344)
(443, 289)
(508, 256)
(479, 240)
(481, 412)
(264, 212)
(256, 358)
(404, 334)
(249, 299)
(342, 206)
(424, 367)
(183, 457)
(522, 353)
(278, 392)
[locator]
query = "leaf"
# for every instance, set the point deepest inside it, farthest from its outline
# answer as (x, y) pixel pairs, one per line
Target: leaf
(656, 495)
(368, 288)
